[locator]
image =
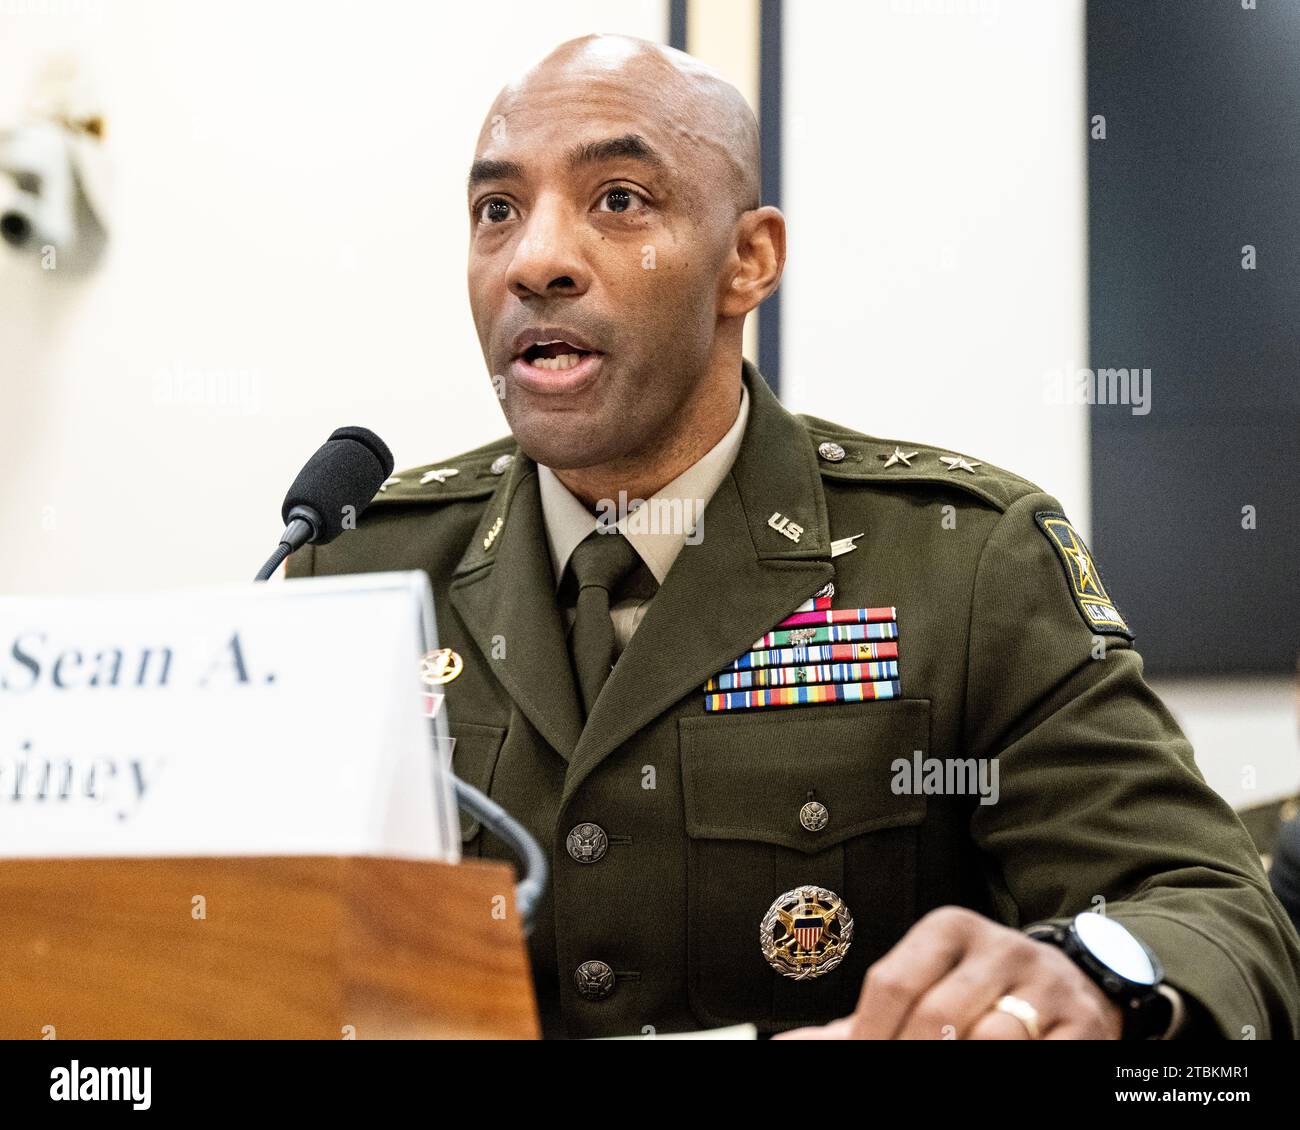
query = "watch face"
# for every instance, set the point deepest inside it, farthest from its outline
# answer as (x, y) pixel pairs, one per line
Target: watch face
(1115, 948)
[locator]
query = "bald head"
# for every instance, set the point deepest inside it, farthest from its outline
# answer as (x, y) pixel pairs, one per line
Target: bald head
(617, 244)
(712, 130)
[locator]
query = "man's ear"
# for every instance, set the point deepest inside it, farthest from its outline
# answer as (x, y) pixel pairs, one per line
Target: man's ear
(756, 264)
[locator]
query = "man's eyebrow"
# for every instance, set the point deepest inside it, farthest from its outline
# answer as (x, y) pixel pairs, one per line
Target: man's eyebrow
(629, 146)
(485, 169)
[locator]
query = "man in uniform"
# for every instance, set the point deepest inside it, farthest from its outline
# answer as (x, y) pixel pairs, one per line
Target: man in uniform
(833, 733)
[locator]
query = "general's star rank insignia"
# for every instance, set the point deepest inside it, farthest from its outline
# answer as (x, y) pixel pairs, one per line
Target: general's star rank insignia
(806, 932)
(1095, 605)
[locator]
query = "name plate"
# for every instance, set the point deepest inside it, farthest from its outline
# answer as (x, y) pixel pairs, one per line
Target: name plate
(279, 719)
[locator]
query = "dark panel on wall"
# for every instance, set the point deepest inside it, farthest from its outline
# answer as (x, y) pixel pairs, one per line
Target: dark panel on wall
(677, 24)
(1201, 157)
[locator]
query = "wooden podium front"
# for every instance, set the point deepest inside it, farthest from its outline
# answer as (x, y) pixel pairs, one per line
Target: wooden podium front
(268, 948)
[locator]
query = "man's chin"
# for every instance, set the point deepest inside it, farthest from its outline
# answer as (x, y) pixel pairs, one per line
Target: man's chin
(563, 441)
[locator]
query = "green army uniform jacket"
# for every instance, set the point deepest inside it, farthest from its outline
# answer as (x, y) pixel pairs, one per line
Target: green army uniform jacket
(1098, 795)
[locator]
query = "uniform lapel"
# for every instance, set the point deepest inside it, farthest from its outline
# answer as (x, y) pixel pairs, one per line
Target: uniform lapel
(504, 590)
(723, 593)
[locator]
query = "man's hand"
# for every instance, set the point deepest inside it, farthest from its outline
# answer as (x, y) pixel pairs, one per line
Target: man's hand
(945, 976)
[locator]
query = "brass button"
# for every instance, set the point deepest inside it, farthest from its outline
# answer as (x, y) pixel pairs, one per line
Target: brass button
(587, 843)
(831, 452)
(594, 979)
(814, 816)
(501, 464)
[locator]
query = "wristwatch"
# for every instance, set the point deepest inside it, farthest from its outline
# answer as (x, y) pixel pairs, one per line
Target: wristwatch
(1123, 968)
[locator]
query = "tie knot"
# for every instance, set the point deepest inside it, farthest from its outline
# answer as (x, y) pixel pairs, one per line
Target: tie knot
(603, 560)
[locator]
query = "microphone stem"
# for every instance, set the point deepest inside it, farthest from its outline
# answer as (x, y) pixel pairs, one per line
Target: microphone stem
(273, 562)
(297, 533)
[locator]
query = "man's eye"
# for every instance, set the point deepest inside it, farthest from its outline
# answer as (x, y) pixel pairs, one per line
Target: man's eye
(621, 200)
(494, 211)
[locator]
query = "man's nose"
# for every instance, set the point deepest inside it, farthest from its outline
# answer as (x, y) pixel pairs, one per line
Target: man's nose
(548, 259)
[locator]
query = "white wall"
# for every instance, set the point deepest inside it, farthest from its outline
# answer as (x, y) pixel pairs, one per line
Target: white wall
(1244, 732)
(290, 231)
(935, 185)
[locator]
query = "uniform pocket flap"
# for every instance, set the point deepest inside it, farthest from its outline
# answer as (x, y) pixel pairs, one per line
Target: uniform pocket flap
(804, 777)
(474, 759)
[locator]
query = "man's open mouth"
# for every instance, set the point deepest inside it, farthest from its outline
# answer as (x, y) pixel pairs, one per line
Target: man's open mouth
(554, 355)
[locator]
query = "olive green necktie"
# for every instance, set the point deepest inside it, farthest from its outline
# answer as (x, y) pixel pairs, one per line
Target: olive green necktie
(598, 564)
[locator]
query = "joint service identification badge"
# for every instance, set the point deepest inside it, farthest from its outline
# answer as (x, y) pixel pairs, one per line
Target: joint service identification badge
(806, 932)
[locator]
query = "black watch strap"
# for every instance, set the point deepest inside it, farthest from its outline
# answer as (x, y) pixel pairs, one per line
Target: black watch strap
(1149, 1012)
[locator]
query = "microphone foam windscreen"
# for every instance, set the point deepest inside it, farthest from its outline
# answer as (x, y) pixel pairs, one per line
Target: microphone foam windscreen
(340, 480)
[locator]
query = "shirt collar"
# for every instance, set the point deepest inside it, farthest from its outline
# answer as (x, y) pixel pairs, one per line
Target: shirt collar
(656, 539)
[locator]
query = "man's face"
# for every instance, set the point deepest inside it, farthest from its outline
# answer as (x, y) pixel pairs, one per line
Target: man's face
(596, 224)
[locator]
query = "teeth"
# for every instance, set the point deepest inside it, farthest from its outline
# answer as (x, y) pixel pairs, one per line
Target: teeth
(563, 361)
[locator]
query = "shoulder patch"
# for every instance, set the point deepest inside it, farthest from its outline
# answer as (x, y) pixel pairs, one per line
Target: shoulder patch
(1084, 577)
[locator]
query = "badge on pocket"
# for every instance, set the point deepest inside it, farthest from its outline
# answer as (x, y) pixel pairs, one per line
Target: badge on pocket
(806, 932)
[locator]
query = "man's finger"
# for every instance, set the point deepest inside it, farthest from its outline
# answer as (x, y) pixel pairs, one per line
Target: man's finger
(920, 958)
(841, 1029)
(1044, 993)
(959, 999)
(995, 1025)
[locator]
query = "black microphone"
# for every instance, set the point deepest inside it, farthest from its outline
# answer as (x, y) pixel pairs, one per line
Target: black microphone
(335, 484)
(347, 471)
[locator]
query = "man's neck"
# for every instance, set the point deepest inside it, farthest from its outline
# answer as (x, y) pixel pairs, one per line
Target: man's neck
(645, 473)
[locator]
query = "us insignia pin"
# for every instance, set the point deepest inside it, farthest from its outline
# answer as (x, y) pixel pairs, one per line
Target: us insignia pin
(782, 525)
(806, 932)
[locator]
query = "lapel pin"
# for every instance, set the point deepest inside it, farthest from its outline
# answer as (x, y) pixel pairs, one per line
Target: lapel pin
(440, 667)
(438, 475)
(957, 463)
(844, 545)
(782, 525)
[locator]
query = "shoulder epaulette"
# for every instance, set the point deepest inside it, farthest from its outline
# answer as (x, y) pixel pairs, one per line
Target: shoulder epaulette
(475, 474)
(844, 454)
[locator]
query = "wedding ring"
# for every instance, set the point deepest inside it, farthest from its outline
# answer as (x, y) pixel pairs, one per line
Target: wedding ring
(1023, 1011)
